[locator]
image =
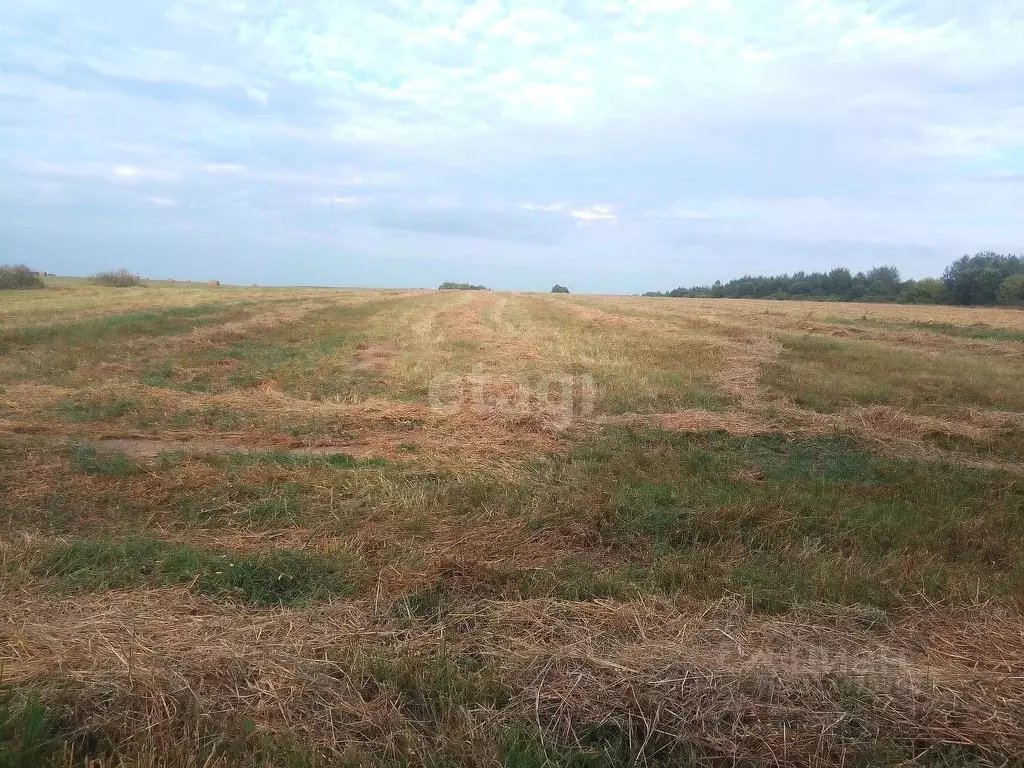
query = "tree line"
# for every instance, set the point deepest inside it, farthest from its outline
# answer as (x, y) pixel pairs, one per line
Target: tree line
(985, 278)
(450, 286)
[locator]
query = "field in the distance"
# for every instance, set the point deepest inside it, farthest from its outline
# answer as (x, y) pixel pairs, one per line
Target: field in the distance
(298, 527)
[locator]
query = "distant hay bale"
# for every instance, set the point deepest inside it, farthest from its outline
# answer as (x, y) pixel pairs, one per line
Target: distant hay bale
(214, 283)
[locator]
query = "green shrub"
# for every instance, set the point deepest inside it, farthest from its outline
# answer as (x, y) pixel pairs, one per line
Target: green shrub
(559, 289)
(19, 276)
(1011, 291)
(118, 278)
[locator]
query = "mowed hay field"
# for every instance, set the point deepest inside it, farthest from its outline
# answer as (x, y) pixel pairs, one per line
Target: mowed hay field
(401, 528)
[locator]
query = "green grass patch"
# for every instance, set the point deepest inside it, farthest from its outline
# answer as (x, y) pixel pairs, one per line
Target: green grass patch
(213, 417)
(293, 460)
(430, 687)
(662, 391)
(26, 734)
(274, 577)
(91, 461)
(92, 410)
(156, 322)
(784, 521)
(237, 504)
(827, 374)
(163, 376)
(312, 360)
(258, 360)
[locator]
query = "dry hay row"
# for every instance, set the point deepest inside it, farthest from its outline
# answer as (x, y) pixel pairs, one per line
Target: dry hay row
(893, 432)
(237, 329)
(595, 317)
(919, 339)
(269, 400)
(480, 319)
(781, 311)
(789, 690)
(468, 437)
(898, 433)
(736, 423)
(824, 328)
(743, 351)
(499, 435)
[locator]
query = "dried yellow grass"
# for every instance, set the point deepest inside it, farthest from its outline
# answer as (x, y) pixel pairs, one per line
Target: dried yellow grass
(780, 689)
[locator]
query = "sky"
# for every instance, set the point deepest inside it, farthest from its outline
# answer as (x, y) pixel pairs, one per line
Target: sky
(609, 145)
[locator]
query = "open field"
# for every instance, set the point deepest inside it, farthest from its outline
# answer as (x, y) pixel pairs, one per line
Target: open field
(303, 527)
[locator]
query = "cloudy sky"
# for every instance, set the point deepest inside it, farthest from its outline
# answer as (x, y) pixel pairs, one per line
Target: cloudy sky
(611, 145)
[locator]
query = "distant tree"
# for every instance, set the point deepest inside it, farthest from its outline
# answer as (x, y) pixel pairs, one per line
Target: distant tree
(559, 289)
(450, 286)
(840, 282)
(19, 276)
(1011, 291)
(883, 281)
(975, 279)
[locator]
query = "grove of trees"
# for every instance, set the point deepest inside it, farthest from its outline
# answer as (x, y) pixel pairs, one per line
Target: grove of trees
(450, 286)
(986, 278)
(559, 289)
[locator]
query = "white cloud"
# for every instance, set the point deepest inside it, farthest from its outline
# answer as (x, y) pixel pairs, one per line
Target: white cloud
(547, 207)
(594, 213)
(135, 173)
